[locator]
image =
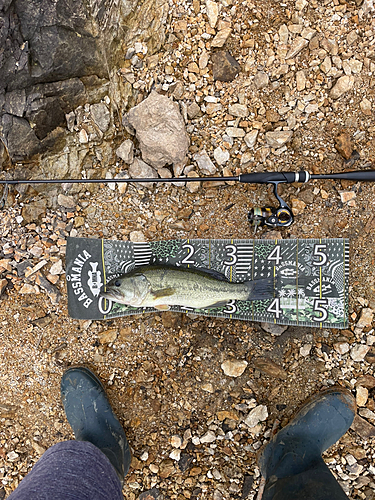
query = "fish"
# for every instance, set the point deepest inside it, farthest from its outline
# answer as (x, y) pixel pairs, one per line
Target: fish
(161, 287)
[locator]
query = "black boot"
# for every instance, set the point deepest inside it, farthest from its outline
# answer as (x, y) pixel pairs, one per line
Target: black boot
(92, 419)
(292, 461)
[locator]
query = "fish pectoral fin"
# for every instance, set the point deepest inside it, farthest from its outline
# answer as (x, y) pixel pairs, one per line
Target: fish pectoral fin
(217, 304)
(163, 292)
(162, 307)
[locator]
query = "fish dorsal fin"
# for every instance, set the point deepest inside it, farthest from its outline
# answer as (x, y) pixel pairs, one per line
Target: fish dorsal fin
(163, 292)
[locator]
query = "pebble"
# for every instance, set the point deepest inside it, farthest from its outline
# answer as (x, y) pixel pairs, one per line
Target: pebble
(83, 137)
(359, 351)
(344, 146)
(261, 80)
(239, 110)
(305, 350)
(365, 320)
(224, 414)
(3, 285)
(12, 456)
(66, 201)
(126, 151)
(140, 169)
(361, 396)
(208, 388)
(267, 366)
(341, 347)
(343, 85)
(301, 4)
(38, 448)
(363, 428)
(298, 206)
(234, 368)
(137, 236)
(367, 381)
(56, 268)
(175, 455)
(209, 437)
(278, 138)
(251, 138)
(221, 37)
(296, 47)
(101, 116)
(160, 130)
(221, 155)
(27, 288)
(235, 132)
(108, 336)
(366, 107)
(176, 441)
(274, 329)
(347, 196)
(205, 163)
(256, 415)
(212, 10)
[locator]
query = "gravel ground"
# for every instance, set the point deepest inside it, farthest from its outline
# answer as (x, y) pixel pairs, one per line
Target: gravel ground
(198, 396)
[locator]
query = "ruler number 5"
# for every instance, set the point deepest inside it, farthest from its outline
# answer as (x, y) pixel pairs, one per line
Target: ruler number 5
(318, 252)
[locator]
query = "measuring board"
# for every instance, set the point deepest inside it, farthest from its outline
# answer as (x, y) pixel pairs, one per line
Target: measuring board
(311, 289)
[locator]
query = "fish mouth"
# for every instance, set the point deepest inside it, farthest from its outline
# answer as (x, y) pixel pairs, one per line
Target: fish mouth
(112, 295)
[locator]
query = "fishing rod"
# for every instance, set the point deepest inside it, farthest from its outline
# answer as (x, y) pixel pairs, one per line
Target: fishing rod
(281, 216)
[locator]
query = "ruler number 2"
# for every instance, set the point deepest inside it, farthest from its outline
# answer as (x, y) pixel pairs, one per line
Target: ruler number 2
(191, 251)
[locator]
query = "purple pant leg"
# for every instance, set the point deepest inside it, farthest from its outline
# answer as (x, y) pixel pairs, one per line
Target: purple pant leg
(70, 470)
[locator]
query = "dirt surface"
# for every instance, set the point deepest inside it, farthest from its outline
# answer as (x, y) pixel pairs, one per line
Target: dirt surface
(163, 371)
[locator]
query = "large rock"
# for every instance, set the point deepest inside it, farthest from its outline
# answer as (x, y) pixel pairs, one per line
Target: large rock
(160, 130)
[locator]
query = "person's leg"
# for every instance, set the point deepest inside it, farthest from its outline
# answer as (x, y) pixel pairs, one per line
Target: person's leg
(71, 470)
(292, 461)
(92, 419)
(94, 466)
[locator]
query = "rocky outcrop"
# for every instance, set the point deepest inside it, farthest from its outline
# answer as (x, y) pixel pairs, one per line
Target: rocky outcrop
(57, 56)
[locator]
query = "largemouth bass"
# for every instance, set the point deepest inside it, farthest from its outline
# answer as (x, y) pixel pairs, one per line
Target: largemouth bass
(161, 287)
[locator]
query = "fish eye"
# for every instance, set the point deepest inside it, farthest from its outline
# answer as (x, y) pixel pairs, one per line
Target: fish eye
(117, 283)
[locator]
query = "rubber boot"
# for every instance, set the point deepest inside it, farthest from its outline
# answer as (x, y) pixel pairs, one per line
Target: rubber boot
(92, 419)
(292, 461)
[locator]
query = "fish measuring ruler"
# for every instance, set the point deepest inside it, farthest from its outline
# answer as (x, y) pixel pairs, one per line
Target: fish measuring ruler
(312, 276)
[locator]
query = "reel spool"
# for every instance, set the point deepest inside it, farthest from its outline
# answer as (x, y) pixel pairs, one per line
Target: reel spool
(270, 216)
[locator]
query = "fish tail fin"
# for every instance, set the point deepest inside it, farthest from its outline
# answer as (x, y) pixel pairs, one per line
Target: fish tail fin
(261, 289)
